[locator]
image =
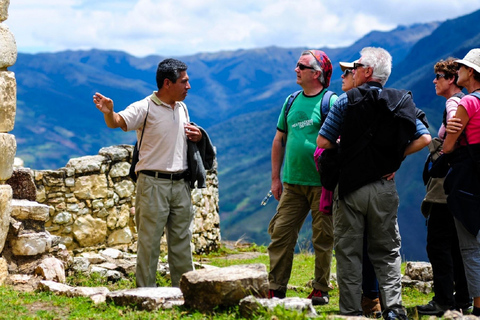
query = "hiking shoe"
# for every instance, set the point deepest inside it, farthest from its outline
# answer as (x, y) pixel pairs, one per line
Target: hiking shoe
(276, 294)
(371, 307)
(433, 308)
(319, 298)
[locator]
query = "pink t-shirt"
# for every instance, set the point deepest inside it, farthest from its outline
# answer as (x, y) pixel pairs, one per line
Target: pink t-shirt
(472, 106)
(451, 107)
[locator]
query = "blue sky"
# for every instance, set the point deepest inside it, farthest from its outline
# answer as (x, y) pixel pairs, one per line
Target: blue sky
(184, 27)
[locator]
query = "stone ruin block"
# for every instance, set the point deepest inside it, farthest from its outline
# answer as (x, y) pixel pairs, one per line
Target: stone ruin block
(90, 231)
(8, 100)
(29, 210)
(250, 306)
(87, 164)
(4, 9)
(31, 244)
(150, 299)
(117, 153)
(8, 49)
(22, 184)
(208, 288)
(5, 211)
(419, 270)
(8, 148)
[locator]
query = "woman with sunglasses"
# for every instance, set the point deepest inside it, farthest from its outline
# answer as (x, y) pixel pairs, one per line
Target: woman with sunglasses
(462, 183)
(449, 282)
(347, 76)
(370, 298)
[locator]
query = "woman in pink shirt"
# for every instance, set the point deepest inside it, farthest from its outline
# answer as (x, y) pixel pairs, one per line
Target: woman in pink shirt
(449, 282)
(462, 183)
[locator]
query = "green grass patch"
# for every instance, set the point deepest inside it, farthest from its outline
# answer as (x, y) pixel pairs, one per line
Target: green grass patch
(42, 305)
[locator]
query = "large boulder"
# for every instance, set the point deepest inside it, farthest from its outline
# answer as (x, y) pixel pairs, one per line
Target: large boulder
(206, 289)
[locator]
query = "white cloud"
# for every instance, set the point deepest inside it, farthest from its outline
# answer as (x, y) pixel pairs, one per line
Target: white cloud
(181, 27)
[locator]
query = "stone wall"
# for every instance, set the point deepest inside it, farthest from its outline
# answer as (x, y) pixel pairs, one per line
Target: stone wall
(92, 199)
(8, 145)
(88, 204)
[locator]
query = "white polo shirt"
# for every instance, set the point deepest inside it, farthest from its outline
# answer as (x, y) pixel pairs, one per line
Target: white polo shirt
(164, 144)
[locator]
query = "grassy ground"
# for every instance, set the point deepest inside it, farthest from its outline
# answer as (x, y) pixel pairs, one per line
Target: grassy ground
(41, 305)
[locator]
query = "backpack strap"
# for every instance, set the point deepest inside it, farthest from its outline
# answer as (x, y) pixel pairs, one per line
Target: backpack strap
(290, 100)
(459, 95)
(143, 129)
(325, 106)
(476, 94)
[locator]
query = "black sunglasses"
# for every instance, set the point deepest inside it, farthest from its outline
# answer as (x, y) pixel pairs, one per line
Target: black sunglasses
(347, 72)
(439, 75)
(357, 65)
(303, 67)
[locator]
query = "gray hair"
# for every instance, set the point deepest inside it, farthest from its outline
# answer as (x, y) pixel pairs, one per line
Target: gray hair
(380, 60)
(315, 65)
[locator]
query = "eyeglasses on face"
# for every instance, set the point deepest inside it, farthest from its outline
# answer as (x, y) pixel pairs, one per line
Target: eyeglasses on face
(439, 75)
(347, 72)
(303, 67)
(357, 65)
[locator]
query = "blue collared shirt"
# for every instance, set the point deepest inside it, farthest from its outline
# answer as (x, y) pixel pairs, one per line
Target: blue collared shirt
(333, 123)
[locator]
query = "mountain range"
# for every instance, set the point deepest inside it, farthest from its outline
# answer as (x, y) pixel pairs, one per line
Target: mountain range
(236, 96)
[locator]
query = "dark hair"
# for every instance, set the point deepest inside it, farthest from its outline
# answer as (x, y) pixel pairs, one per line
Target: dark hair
(169, 69)
(476, 75)
(449, 67)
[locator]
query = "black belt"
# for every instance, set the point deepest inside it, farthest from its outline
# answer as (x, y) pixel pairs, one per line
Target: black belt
(169, 176)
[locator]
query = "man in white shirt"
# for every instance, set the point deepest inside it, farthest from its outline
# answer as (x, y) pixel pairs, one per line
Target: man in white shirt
(163, 198)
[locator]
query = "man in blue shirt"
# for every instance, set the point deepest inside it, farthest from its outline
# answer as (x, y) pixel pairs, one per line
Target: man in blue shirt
(378, 128)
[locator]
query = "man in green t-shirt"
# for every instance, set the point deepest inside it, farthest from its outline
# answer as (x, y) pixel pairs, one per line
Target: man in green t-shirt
(300, 192)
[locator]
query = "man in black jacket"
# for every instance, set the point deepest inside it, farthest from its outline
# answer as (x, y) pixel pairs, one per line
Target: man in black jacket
(378, 128)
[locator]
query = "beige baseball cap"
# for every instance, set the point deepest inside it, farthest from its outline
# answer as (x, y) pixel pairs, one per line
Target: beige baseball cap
(347, 65)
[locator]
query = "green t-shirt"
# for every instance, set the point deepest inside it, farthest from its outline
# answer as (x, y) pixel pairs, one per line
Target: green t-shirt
(303, 122)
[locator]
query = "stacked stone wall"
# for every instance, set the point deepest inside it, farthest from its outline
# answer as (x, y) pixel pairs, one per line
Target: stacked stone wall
(86, 205)
(8, 144)
(91, 203)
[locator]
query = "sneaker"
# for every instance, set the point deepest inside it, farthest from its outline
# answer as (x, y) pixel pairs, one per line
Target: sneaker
(319, 298)
(276, 294)
(371, 307)
(392, 315)
(433, 308)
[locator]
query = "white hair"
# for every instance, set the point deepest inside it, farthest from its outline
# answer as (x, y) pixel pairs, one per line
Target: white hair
(380, 60)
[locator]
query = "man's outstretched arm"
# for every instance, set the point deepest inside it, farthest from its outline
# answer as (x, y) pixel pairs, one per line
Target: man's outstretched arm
(105, 105)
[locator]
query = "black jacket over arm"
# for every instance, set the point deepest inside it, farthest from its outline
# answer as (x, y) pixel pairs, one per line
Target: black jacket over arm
(200, 156)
